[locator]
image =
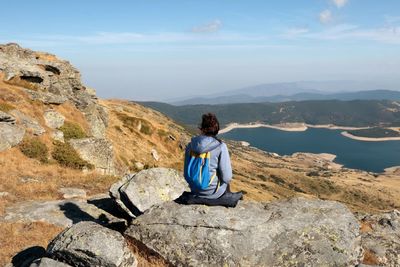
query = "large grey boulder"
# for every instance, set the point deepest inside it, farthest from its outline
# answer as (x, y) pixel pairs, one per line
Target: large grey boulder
(97, 118)
(136, 193)
(90, 244)
(298, 232)
(382, 240)
(10, 135)
(97, 151)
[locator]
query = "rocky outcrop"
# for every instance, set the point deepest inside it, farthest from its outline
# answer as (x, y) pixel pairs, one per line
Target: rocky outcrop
(53, 119)
(136, 193)
(89, 244)
(70, 192)
(298, 232)
(47, 98)
(29, 123)
(51, 81)
(381, 239)
(96, 151)
(10, 135)
(63, 213)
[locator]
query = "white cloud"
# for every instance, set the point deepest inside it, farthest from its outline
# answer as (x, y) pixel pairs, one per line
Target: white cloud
(212, 26)
(295, 32)
(348, 32)
(340, 3)
(325, 16)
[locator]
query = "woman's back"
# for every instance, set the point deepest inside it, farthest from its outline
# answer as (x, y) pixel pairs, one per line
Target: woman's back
(219, 164)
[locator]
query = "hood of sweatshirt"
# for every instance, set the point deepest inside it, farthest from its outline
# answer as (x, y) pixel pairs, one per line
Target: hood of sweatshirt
(203, 143)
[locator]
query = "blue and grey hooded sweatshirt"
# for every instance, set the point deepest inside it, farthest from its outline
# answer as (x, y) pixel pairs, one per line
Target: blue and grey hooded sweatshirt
(220, 164)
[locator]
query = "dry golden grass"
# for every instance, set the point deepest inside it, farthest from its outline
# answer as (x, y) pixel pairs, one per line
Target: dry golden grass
(365, 227)
(132, 144)
(17, 236)
(50, 177)
(46, 56)
(145, 256)
(370, 258)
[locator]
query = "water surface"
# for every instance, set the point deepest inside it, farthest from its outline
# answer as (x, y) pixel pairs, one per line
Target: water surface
(368, 156)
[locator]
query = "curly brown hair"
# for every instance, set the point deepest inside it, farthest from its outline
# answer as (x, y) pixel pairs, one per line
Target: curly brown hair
(209, 124)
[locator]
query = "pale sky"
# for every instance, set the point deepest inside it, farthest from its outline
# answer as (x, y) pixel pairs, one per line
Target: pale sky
(158, 49)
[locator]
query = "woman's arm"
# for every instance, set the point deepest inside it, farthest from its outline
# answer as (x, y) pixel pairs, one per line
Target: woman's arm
(224, 165)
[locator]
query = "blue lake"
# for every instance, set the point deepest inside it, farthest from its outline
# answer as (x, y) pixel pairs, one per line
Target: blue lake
(369, 156)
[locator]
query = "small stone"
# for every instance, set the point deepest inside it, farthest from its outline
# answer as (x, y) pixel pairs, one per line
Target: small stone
(4, 194)
(53, 119)
(26, 179)
(155, 155)
(58, 135)
(69, 192)
(139, 166)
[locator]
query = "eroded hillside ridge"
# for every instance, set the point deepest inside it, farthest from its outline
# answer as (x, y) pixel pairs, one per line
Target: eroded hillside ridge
(51, 81)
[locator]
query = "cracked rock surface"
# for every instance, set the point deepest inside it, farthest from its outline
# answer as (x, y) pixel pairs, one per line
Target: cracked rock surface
(298, 232)
(138, 192)
(90, 244)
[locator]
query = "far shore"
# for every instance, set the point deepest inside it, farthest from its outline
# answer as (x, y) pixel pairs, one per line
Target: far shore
(290, 127)
(370, 139)
(301, 127)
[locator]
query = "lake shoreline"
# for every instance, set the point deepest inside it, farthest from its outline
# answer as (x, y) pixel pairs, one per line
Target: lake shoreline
(369, 139)
(301, 127)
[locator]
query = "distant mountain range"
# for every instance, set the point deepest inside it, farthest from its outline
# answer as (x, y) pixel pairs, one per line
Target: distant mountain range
(345, 96)
(295, 91)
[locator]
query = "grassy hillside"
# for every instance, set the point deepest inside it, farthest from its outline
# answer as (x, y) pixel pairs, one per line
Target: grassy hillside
(357, 113)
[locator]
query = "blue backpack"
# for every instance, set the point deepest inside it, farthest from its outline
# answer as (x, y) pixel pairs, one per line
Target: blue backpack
(197, 171)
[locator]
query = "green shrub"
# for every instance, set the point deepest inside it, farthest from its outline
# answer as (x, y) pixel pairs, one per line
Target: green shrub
(72, 131)
(132, 123)
(67, 156)
(34, 148)
(5, 107)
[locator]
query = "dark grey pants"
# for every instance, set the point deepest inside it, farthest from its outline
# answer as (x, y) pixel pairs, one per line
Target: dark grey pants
(228, 199)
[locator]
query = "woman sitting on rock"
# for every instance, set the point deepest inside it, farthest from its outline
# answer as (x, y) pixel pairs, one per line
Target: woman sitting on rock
(208, 169)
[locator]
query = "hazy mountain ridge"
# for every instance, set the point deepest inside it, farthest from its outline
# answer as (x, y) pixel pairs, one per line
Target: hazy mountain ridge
(303, 96)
